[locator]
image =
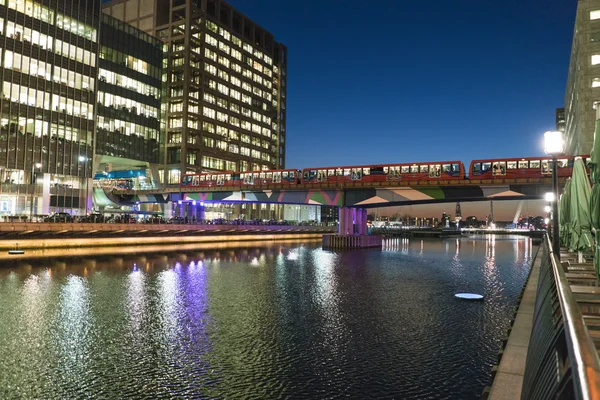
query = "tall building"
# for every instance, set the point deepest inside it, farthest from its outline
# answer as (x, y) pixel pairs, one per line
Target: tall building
(583, 83)
(560, 120)
(129, 136)
(225, 94)
(48, 70)
(65, 68)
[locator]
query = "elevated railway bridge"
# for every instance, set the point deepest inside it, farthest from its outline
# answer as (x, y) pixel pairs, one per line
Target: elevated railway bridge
(352, 198)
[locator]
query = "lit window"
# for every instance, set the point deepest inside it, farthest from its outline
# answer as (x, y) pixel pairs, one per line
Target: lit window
(596, 82)
(595, 14)
(596, 59)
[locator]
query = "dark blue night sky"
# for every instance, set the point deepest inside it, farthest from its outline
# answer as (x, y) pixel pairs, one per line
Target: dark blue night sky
(405, 80)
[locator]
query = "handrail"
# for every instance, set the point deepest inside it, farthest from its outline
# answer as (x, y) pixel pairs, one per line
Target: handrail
(562, 361)
(582, 351)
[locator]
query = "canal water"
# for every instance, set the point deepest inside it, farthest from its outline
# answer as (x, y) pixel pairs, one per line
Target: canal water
(268, 321)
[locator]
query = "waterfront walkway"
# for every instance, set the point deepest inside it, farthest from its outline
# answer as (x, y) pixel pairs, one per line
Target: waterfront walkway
(508, 375)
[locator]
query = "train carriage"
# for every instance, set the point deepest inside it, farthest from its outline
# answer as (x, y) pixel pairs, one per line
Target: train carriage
(385, 172)
(528, 167)
(236, 179)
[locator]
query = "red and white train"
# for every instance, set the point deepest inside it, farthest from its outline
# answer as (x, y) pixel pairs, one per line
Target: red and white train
(506, 168)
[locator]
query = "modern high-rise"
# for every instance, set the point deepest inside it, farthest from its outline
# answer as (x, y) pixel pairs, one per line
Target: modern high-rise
(583, 83)
(225, 85)
(129, 136)
(48, 71)
(80, 93)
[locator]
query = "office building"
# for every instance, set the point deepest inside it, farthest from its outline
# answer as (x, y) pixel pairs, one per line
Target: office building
(583, 83)
(129, 138)
(48, 71)
(225, 81)
(560, 120)
(65, 67)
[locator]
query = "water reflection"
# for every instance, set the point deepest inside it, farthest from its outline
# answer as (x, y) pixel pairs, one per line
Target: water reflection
(274, 321)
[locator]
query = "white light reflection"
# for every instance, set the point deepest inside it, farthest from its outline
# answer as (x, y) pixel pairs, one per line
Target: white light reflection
(136, 304)
(293, 255)
(75, 325)
(167, 286)
(328, 297)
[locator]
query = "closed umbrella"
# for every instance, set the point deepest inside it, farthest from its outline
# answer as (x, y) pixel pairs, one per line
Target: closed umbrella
(581, 220)
(565, 215)
(595, 196)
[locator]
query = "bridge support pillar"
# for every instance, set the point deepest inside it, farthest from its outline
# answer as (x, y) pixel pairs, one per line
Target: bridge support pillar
(352, 231)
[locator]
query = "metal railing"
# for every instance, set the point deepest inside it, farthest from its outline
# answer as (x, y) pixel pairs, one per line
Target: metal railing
(562, 361)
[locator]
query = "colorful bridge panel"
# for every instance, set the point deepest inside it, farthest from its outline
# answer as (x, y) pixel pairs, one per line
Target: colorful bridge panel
(322, 197)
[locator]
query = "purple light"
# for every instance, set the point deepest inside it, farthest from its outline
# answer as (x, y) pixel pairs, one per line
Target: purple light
(194, 202)
(178, 201)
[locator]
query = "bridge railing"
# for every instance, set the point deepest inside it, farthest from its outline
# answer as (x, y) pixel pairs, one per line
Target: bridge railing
(562, 361)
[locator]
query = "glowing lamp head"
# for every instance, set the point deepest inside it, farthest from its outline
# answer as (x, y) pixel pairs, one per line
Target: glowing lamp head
(547, 209)
(549, 197)
(554, 143)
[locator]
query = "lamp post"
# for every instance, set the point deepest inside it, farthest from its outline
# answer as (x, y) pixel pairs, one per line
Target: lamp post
(554, 145)
(34, 183)
(83, 159)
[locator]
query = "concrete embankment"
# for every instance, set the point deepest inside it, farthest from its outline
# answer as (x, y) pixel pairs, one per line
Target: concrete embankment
(72, 242)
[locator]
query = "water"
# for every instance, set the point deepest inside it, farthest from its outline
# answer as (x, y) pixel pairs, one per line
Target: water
(285, 320)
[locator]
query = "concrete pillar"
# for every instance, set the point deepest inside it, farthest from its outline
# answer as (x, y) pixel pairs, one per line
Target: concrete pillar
(349, 221)
(361, 221)
(342, 220)
(168, 213)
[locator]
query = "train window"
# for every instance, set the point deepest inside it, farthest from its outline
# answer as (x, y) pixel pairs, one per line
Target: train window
(499, 168)
(486, 166)
(424, 168)
(276, 176)
(476, 167)
(535, 164)
(346, 171)
(385, 170)
(523, 164)
(269, 175)
(366, 171)
(414, 168)
(262, 175)
(331, 172)
(447, 168)
(455, 168)
(561, 163)
(435, 171)
(511, 165)
(404, 169)
(284, 174)
(546, 167)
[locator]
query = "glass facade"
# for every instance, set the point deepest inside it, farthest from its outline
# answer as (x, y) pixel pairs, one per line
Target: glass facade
(225, 86)
(48, 69)
(129, 94)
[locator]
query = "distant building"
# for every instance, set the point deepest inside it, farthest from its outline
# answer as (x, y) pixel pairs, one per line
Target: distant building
(583, 83)
(226, 85)
(560, 119)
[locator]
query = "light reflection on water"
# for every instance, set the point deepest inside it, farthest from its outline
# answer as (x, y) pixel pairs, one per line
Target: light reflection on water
(282, 320)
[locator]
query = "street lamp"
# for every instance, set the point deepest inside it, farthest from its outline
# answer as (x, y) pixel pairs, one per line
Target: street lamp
(34, 183)
(83, 159)
(554, 145)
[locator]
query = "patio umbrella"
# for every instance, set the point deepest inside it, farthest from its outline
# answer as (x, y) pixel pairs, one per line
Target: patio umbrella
(564, 216)
(595, 196)
(581, 220)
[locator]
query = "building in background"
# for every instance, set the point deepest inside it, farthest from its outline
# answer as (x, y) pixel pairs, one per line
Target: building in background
(225, 88)
(560, 120)
(48, 70)
(583, 83)
(129, 138)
